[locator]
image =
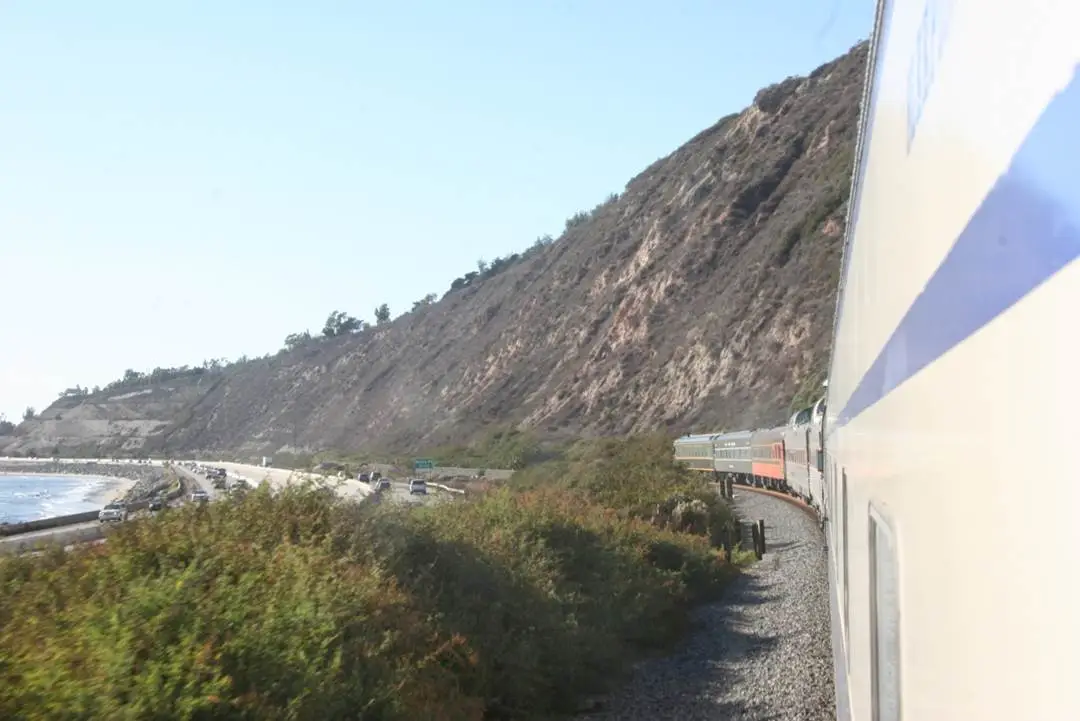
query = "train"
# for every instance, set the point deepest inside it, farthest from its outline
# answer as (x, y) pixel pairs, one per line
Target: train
(938, 458)
(786, 459)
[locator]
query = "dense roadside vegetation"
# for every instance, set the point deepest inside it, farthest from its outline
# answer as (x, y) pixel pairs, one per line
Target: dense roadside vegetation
(505, 448)
(513, 604)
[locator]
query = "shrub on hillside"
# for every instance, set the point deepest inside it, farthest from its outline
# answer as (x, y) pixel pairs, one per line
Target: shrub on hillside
(638, 478)
(294, 606)
(503, 448)
(234, 611)
(552, 594)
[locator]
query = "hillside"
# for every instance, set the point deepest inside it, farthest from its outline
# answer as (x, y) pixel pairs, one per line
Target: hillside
(700, 298)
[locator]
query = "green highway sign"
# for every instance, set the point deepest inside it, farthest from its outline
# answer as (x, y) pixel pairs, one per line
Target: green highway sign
(423, 464)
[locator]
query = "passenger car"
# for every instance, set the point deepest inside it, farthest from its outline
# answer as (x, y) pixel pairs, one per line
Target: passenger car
(952, 383)
(113, 512)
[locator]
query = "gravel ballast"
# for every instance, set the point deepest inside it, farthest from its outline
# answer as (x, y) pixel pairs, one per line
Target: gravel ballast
(763, 651)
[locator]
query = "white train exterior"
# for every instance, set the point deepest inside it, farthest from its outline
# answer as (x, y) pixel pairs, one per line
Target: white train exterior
(947, 494)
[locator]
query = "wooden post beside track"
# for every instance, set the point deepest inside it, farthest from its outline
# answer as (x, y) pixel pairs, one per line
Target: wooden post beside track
(756, 540)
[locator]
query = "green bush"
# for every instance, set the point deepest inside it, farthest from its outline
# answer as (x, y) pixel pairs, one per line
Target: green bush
(503, 448)
(295, 606)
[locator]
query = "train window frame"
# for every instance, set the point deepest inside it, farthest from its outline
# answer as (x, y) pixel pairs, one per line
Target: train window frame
(885, 633)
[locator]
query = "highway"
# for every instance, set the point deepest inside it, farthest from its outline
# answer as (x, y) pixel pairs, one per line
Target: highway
(278, 478)
(67, 535)
(347, 488)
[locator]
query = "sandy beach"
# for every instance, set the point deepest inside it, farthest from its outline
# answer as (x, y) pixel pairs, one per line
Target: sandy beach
(111, 489)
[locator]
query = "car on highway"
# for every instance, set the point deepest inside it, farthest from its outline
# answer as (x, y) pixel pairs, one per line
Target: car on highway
(199, 496)
(418, 485)
(113, 513)
(156, 504)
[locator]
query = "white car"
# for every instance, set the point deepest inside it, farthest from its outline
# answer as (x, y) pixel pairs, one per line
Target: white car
(200, 497)
(113, 512)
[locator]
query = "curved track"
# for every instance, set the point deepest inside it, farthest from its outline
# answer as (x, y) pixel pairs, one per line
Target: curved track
(763, 651)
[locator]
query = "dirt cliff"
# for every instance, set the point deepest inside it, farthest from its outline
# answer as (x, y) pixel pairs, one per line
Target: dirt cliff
(700, 298)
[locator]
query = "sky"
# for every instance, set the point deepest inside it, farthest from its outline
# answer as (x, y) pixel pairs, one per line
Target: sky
(191, 180)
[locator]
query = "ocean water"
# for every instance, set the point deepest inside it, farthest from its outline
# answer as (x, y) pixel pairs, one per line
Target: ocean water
(28, 498)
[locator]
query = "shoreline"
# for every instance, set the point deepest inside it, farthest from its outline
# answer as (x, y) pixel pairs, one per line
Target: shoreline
(103, 489)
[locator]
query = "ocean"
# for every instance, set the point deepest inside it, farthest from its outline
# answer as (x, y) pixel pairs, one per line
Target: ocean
(28, 498)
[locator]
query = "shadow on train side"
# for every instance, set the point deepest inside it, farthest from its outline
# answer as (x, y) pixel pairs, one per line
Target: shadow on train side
(788, 459)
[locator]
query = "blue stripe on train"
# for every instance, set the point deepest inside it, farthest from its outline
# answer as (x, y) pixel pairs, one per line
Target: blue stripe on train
(1026, 230)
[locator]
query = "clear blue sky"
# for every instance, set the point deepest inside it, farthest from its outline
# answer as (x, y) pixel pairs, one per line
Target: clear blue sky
(187, 180)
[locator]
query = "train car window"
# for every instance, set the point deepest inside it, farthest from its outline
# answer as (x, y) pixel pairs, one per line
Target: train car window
(884, 620)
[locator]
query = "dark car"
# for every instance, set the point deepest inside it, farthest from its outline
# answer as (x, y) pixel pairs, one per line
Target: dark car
(155, 505)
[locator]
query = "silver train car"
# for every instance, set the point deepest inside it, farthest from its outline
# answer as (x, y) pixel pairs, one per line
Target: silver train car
(934, 461)
(696, 451)
(803, 453)
(953, 354)
(784, 459)
(731, 455)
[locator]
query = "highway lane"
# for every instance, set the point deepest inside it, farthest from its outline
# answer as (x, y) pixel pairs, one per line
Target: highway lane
(399, 493)
(198, 481)
(277, 478)
(346, 488)
(68, 536)
(75, 533)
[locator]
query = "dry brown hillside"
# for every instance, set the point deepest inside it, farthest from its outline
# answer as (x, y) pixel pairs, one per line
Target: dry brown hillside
(700, 298)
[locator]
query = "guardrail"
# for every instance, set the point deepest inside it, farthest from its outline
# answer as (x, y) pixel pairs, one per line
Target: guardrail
(61, 537)
(42, 524)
